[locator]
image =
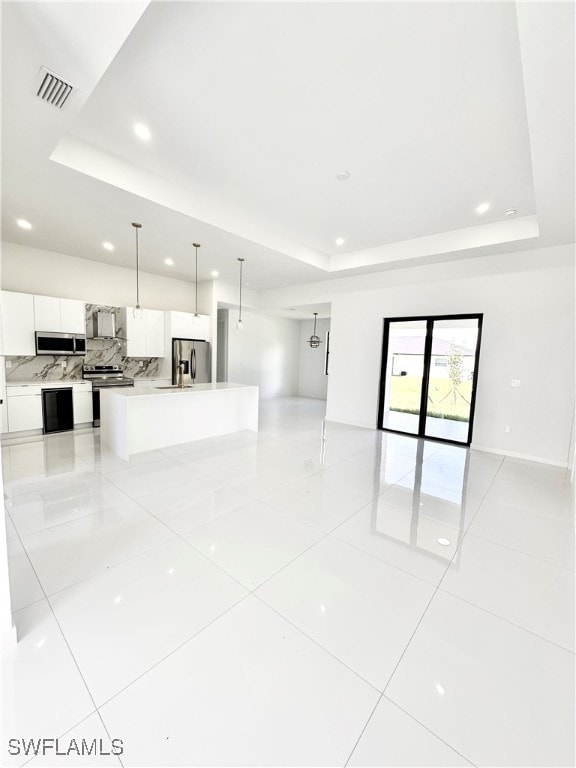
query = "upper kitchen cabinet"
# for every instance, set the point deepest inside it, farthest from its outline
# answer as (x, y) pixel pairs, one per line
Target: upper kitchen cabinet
(145, 335)
(73, 316)
(155, 333)
(185, 325)
(18, 323)
(59, 315)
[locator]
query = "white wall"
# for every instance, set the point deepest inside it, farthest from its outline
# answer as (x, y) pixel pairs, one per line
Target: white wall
(265, 353)
(32, 270)
(312, 381)
(528, 303)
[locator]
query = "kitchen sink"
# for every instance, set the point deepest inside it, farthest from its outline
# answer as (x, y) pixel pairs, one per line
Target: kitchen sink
(175, 386)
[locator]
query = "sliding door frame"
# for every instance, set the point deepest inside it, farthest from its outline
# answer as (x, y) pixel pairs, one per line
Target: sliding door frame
(429, 320)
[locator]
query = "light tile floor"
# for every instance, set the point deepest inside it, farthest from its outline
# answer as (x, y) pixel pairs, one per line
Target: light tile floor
(310, 595)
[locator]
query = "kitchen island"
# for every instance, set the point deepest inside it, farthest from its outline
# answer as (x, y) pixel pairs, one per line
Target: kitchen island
(137, 419)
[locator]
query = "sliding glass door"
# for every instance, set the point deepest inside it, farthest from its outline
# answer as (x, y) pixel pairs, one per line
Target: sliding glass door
(429, 374)
(405, 366)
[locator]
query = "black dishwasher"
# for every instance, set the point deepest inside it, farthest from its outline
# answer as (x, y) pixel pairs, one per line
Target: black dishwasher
(57, 409)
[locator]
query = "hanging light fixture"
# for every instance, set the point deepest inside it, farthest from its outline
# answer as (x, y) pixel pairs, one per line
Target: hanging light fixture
(196, 246)
(314, 340)
(138, 313)
(240, 323)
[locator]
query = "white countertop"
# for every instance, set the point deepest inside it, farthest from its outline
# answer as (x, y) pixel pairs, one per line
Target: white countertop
(137, 391)
(69, 382)
(46, 384)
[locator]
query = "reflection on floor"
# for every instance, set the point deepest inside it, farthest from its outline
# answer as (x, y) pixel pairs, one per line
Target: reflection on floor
(446, 429)
(313, 594)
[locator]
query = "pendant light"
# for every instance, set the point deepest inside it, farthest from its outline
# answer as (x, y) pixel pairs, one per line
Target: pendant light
(240, 323)
(138, 313)
(196, 246)
(314, 340)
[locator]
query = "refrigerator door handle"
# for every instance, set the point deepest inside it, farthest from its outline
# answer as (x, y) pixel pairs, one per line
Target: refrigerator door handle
(193, 365)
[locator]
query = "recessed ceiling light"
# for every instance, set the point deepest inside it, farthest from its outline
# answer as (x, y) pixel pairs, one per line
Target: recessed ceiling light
(169, 262)
(214, 273)
(339, 241)
(482, 208)
(142, 131)
(343, 175)
(24, 224)
(440, 689)
(443, 542)
(107, 246)
(511, 212)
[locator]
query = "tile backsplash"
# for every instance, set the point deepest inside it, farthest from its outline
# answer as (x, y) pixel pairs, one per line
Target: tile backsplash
(98, 352)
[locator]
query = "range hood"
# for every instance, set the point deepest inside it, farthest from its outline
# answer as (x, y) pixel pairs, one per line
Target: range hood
(104, 325)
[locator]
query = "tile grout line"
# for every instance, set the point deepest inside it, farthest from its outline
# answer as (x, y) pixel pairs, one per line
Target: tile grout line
(428, 729)
(511, 623)
(173, 651)
(316, 642)
(108, 568)
(519, 551)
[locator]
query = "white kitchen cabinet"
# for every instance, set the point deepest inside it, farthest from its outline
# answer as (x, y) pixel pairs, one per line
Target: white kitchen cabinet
(55, 315)
(18, 323)
(82, 406)
(24, 412)
(184, 325)
(145, 335)
(72, 314)
(154, 333)
(201, 327)
(180, 325)
(135, 334)
(47, 314)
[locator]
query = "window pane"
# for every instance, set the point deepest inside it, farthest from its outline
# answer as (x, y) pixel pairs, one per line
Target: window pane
(450, 382)
(404, 370)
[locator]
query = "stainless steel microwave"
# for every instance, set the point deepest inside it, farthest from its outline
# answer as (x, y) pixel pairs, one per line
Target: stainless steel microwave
(60, 343)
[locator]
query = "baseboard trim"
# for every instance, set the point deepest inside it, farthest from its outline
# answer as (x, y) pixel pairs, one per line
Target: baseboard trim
(525, 456)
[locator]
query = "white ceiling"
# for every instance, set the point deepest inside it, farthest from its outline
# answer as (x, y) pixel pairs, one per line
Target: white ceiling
(253, 109)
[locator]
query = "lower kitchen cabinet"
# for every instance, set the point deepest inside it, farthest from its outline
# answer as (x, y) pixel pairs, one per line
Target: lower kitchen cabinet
(24, 412)
(82, 407)
(24, 406)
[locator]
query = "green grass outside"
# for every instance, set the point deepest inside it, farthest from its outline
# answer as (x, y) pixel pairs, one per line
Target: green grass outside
(405, 397)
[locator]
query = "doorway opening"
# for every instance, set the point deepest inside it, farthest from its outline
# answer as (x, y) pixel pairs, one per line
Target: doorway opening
(429, 376)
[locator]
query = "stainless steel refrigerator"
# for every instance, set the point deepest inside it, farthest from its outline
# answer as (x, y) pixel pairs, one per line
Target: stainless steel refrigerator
(195, 359)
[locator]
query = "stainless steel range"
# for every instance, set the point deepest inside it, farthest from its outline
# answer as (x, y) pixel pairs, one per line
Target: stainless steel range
(103, 376)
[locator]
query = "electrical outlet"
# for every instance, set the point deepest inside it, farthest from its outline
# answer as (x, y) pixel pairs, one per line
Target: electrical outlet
(8, 363)
(141, 363)
(64, 364)
(515, 383)
(507, 428)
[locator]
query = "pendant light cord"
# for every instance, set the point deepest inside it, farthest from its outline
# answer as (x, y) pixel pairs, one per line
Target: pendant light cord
(196, 246)
(137, 227)
(240, 309)
(137, 272)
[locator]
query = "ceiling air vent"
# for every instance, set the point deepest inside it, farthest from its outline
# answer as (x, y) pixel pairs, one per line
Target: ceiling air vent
(53, 89)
